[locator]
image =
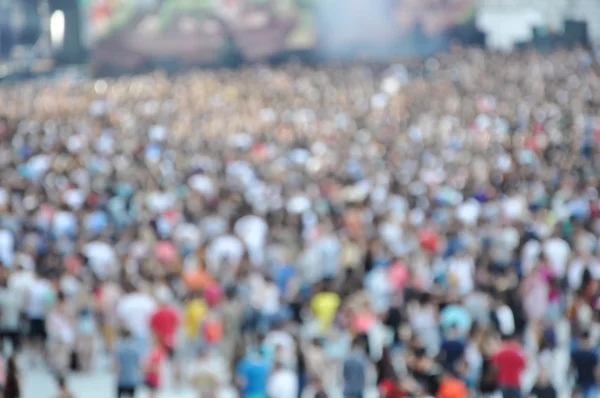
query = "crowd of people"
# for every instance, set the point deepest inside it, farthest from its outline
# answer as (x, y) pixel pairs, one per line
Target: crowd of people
(409, 230)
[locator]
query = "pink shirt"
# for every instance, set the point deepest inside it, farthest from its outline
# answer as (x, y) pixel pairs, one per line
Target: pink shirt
(536, 294)
(547, 273)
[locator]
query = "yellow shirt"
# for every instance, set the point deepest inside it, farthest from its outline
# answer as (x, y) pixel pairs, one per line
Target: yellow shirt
(324, 306)
(195, 312)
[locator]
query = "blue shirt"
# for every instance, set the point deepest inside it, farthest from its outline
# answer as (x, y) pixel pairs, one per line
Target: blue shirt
(282, 277)
(97, 221)
(129, 356)
(355, 367)
(255, 372)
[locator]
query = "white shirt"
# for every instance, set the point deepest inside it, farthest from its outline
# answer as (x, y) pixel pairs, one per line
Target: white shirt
(7, 248)
(283, 383)
(19, 283)
(310, 266)
(213, 366)
(379, 288)
(557, 251)
(101, 256)
(530, 254)
(60, 328)
(213, 226)
(330, 250)
(283, 339)
(36, 299)
(10, 310)
(69, 285)
(224, 247)
(270, 299)
(188, 234)
(64, 222)
(391, 234)
(576, 270)
(253, 230)
(463, 269)
(506, 320)
(135, 310)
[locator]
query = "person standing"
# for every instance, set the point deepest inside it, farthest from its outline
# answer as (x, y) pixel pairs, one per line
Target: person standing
(128, 364)
(510, 363)
(209, 373)
(354, 370)
(283, 382)
(453, 349)
(10, 311)
(543, 388)
(61, 338)
(134, 310)
(12, 388)
(36, 306)
(108, 300)
(252, 374)
(164, 323)
(584, 362)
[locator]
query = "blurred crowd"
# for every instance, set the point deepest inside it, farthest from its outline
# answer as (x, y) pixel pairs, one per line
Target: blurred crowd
(416, 230)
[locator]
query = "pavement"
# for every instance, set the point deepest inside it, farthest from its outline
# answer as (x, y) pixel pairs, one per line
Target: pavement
(100, 383)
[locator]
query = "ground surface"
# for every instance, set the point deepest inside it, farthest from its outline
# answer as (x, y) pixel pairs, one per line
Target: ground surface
(38, 383)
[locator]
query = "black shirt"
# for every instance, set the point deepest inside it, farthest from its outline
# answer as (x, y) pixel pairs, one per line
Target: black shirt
(585, 361)
(452, 351)
(321, 394)
(543, 392)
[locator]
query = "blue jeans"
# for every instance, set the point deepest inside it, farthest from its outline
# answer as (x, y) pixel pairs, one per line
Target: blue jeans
(588, 391)
(511, 392)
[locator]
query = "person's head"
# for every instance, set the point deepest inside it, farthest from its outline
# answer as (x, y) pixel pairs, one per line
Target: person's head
(358, 344)
(278, 364)
(125, 333)
(510, 338)
(203, 351)
(453, 331)
(543, 379)
(585, 338)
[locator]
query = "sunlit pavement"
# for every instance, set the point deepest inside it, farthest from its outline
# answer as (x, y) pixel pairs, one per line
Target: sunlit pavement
(100, 383)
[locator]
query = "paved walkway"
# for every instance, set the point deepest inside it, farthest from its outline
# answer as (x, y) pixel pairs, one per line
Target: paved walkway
(38, 383)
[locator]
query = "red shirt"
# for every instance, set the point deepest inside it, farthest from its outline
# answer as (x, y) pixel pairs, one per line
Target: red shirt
(510, 362)
(389, 389)
(164, 323)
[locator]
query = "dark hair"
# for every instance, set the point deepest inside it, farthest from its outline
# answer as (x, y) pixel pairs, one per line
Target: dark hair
(11, 387)
(585, 335)
(124, 332)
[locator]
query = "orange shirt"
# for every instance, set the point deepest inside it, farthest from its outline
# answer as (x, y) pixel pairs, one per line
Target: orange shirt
(452, 388)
